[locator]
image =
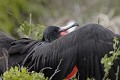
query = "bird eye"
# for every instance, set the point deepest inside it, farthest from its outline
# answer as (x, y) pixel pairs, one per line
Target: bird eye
(55, 30)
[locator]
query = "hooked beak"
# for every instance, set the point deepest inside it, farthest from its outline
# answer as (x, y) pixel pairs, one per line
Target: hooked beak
(65, 28)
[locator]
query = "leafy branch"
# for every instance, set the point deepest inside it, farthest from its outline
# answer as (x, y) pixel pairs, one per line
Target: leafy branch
(22, 74)
(29, 30)
(108, 61)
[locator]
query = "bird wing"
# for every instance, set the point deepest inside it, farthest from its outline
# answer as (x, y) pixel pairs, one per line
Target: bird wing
(84, 48)
(19, 50)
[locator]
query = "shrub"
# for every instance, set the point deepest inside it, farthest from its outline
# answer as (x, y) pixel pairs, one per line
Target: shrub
(108, 61)
(22, 74)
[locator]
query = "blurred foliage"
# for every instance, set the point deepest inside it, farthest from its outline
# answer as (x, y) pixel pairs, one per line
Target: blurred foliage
(14, 12)
(47, 12)
(16, 7)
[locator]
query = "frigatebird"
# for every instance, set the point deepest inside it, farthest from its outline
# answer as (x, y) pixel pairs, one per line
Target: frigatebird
(83, 48)
(25, 45)
(16, 47)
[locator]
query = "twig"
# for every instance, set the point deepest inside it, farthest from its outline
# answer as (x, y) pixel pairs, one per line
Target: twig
(30, 22)
(31, 67)
(108, 27)
(98, 20)
(56, 71)
(45, 68)
(105, 76)
(117, 73)
(15, 18)
(5, 52)
(19, 67)
(2, 57)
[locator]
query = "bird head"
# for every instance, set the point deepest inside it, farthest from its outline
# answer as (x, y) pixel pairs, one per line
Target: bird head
(53, 32)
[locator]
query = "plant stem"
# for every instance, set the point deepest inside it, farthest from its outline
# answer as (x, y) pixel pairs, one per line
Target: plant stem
(117, 73)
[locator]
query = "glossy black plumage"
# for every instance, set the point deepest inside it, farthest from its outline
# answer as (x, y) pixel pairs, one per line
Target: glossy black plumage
(51, 33)
(17, 48)
(22, 47)
(84, 48)
(5, 44)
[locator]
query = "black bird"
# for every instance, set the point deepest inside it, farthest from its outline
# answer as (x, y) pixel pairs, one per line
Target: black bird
(22, 47)
(83, 48)
(16, 48)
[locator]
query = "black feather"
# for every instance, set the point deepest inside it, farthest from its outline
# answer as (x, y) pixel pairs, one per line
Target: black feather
(84, 48)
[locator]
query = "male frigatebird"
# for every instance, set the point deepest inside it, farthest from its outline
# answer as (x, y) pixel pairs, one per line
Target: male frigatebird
(16, 47)
(83, 48)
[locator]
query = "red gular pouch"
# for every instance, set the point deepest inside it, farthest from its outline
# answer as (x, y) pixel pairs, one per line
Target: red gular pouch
(63, 33)
(65, 30)
(72, 74)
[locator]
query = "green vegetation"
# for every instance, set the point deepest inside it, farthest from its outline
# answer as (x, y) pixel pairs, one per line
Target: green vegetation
(15, 13)
(109, 61)
(29, 30)
(22, 74)
(47, 12)
(16, 7)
